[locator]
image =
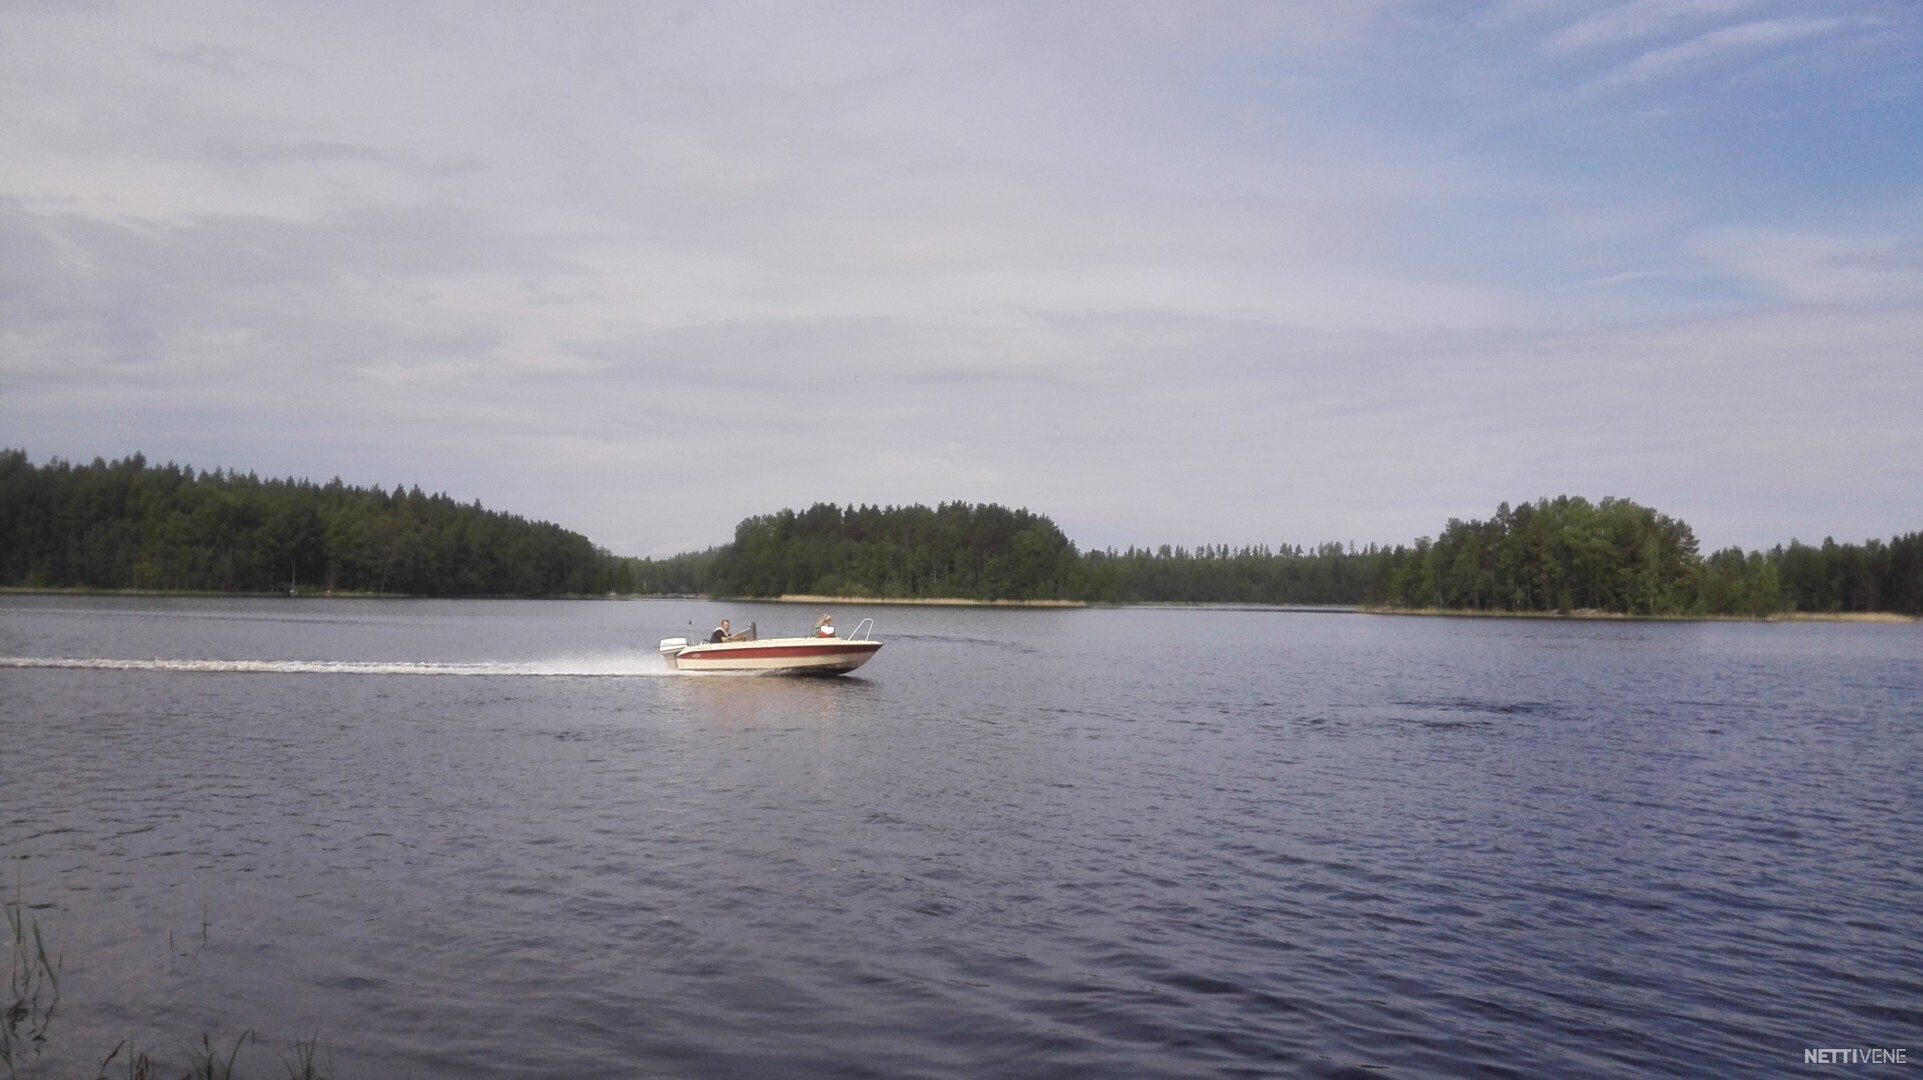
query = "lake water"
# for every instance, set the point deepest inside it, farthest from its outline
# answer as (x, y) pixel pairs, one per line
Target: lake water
(471, 839)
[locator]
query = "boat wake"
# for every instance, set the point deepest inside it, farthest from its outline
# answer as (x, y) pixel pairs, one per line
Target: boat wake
(623, 667)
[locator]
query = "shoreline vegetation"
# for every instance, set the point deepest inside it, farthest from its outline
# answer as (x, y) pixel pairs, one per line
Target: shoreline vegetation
(917, 601)
(129, 528)
(1861, 617)
(1880, 617)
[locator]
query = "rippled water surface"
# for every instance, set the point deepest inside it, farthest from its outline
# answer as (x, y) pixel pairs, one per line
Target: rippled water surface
(500, 839)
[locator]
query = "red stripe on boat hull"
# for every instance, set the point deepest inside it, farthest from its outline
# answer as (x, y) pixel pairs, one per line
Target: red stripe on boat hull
(812, 657)
(780, 651)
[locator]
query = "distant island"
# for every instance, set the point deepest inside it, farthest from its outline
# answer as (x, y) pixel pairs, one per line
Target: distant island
(127, 525)
(1567, 555)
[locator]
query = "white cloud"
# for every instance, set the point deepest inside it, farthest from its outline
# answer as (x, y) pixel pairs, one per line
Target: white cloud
(1183, 274)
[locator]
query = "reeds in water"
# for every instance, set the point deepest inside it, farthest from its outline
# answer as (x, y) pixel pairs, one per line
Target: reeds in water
(33, 988)
(33, 993)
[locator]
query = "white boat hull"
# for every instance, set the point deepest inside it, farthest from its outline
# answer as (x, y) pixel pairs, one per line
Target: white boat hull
(792, 656)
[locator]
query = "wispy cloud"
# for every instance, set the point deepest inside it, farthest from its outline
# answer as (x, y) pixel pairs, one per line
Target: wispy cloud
(1805, 267)
(1634, 22)
(217, 59)
(1742, 38)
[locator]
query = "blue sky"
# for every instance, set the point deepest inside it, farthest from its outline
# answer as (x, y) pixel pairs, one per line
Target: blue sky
(1170, 273)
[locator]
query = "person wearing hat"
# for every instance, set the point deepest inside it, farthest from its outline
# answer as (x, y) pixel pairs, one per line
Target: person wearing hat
(825, 626)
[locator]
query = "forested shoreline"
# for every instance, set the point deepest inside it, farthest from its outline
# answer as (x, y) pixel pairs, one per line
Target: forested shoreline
(1564, 555)
(988, 552)
(129, 525)
(1616, 557)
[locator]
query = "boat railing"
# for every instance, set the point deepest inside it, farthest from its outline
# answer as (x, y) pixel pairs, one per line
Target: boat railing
(861, 631)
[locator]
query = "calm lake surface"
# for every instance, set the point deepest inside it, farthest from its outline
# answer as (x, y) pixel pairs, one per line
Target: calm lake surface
(500, 839)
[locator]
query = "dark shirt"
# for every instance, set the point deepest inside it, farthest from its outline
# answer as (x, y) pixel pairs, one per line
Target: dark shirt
(718, 636)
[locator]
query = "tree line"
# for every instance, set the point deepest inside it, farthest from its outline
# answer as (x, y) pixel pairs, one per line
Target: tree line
(127, 524)
(988, 552)
(953, 551)
(1554, 555)
(1567, 554)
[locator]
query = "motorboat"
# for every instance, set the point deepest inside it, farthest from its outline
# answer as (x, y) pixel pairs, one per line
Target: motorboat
(816, 654)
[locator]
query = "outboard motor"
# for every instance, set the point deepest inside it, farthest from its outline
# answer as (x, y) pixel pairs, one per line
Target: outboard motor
(671, 646)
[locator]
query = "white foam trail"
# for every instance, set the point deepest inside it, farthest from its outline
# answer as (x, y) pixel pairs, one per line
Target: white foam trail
(593, 667)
